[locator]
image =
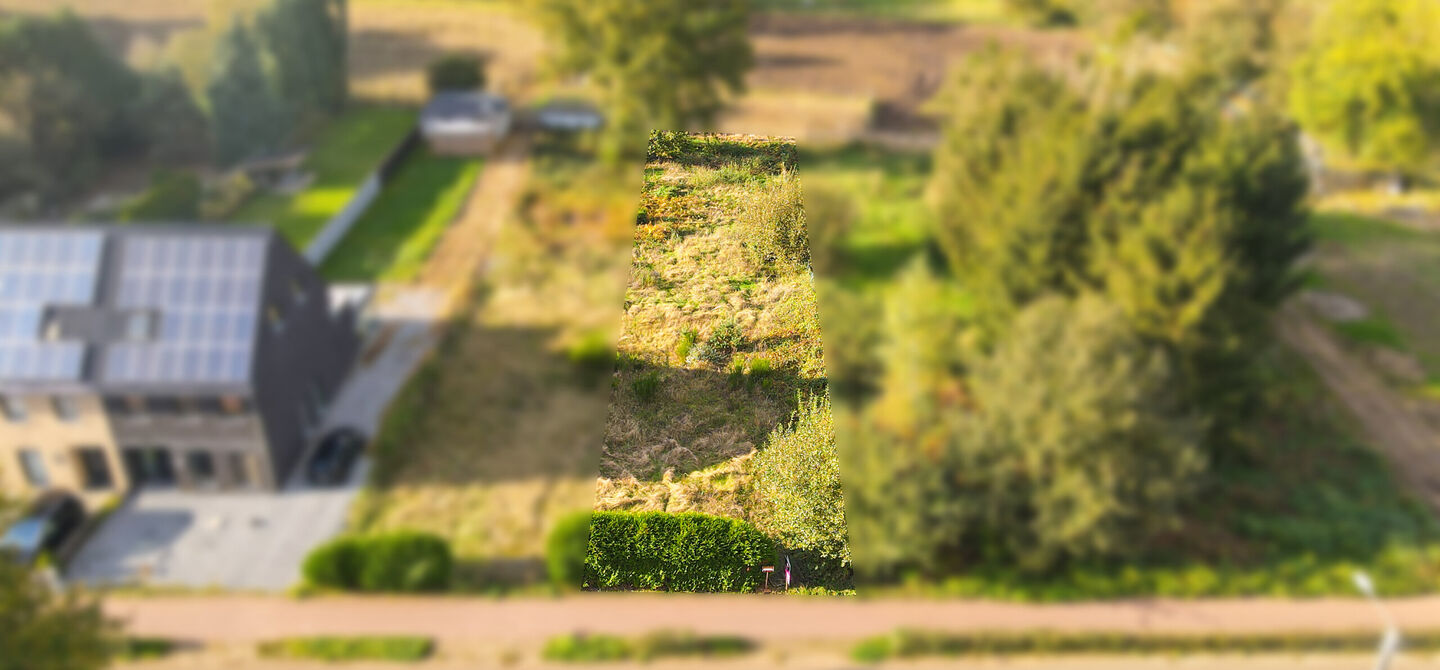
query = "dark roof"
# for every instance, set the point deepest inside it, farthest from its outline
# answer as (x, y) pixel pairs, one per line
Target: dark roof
(463, 105)
(129, 306)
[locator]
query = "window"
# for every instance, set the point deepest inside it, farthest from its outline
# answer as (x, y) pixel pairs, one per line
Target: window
(201, 465)
(66, 409)
(124, 405)
(33, 465)
(160, 404)
(234, 404)
(139, 326)
(13, 408)
(94, 468)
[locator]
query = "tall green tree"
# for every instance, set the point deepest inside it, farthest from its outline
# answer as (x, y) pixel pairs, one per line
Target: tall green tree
(663, 64)
(1008, 185)
(40, 630)
(1368, 84)
(1082, 445)
(307, 40)
(247, 117)
(65, 99)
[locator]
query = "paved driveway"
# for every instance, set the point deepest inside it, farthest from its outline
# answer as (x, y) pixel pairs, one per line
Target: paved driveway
(257, 541)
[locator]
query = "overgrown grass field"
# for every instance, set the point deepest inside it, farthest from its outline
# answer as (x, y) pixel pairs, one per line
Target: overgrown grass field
(716, 344)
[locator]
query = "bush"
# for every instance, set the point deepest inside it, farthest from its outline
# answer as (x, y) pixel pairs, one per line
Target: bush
(172, 197)
(403, 561)
(723, 342)
(1041, 13)
(669, 144)
(376, 648)
(565, 550)
(674, 552)
(456, 72)
(772, 225)
(336, 563)
(797, 478)
(406, 561)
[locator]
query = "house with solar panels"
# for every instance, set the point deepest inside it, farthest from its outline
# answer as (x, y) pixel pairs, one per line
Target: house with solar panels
(193, 356)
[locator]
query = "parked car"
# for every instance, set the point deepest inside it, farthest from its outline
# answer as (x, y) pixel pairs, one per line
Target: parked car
(330, 465)
(48, 523)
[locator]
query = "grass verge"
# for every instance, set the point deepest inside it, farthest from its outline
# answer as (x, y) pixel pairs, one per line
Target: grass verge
(132, 649)
(577, 648)
(393, 239)
(394, 648)
(909, 644)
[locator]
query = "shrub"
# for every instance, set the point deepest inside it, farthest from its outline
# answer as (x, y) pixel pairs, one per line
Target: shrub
(377, 648)
(674, 552)
(565, 550)
(1041, 13)
(405, 561)
(797, 478)
(723, 342)
(132, 649)
(172, 197)
(456, 72)
(335, 564)
(772, 226)
(646, 386)
(669, 144)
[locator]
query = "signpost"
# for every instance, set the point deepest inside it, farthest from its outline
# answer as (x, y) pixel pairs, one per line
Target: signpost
(767, 570)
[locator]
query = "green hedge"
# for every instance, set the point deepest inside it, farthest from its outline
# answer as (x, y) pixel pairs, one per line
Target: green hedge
(376, 648)
(909, 644)
(674, 552)
(565, 551)
(398, 561)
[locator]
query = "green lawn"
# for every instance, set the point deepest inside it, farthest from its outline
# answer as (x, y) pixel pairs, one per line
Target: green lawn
(1394, 270)
(341, 156)
(395, 236)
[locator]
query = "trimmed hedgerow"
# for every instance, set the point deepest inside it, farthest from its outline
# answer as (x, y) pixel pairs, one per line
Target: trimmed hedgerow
(405, 561)
(658, 551)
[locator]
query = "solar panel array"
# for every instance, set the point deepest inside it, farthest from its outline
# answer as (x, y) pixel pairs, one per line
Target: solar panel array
(206, 293)
(40, 268)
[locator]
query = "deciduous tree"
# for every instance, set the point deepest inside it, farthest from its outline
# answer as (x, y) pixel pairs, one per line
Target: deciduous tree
(655, 64)
(1368, 85)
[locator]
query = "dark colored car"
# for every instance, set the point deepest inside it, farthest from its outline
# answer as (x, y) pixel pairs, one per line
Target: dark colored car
(50, 521)
(330, 465)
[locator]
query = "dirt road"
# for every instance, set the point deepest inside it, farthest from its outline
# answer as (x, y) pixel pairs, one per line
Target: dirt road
(761, 618)
(1412, 448)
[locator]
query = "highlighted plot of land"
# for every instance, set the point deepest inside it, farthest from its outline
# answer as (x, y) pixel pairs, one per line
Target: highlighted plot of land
(720, 422)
